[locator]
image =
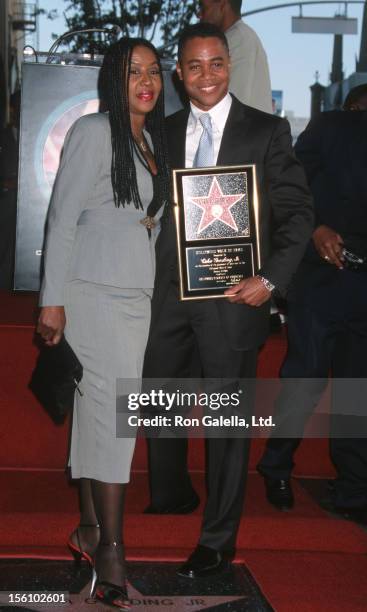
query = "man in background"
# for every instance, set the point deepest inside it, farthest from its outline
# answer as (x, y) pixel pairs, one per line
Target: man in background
(250, 80)
(327, 312)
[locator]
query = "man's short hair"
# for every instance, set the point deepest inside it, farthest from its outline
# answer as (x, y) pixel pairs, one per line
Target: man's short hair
(236, 6)
(199, 30)
(355, 95)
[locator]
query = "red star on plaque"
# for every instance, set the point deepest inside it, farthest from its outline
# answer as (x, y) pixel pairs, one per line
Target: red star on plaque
(216, 207)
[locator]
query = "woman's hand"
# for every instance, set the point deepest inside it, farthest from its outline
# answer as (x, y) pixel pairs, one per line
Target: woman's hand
(51, 324)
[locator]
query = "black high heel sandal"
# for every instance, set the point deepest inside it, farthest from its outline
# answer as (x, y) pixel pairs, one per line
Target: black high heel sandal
(77, 549)
(108, 593)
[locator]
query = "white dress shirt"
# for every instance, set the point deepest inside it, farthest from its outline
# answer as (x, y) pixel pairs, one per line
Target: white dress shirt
(219, 115)
(250, 80)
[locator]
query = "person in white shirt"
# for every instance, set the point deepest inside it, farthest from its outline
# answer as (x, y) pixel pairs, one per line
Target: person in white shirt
(249, 76)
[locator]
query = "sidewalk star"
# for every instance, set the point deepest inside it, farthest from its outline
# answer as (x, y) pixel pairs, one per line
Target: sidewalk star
(216, 207)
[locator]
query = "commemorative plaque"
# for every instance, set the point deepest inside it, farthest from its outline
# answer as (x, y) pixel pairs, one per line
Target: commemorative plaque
(217, 225)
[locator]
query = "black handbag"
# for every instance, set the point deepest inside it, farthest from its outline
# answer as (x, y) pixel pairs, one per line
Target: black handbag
(55, 378)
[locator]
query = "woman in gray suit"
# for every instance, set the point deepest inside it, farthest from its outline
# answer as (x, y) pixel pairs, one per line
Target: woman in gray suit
(98, 281)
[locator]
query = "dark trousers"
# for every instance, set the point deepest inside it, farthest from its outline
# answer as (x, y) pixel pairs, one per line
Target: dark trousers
(317, 344)
(182, 331)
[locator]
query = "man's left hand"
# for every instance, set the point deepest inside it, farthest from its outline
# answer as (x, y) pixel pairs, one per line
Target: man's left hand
(250, 291)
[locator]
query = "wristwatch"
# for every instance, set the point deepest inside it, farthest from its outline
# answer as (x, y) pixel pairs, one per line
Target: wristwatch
(266, 283)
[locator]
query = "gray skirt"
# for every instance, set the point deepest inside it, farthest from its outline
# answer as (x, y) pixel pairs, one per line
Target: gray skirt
(107, 328)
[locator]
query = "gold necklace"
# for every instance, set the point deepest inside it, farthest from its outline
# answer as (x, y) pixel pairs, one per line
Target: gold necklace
(142, 144)
(148, 222)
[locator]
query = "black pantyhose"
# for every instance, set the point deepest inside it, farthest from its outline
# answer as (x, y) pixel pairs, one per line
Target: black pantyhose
(86, 536)
(109, 558)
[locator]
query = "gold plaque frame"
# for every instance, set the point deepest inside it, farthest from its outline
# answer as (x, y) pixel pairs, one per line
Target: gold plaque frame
(217, 214)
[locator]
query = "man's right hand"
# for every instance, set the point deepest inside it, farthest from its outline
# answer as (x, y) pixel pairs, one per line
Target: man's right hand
(51, 324)
(329, 245)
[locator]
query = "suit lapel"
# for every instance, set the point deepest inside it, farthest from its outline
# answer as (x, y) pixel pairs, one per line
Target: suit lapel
(234, 136)
(233, 143)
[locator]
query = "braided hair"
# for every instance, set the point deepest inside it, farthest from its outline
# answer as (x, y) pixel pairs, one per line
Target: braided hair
(114, 90)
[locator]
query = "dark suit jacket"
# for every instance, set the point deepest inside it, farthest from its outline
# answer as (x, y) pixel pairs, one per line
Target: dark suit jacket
(286, 218)
(333, 150)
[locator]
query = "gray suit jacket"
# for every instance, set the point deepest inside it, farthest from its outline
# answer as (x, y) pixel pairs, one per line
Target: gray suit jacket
(88, 238)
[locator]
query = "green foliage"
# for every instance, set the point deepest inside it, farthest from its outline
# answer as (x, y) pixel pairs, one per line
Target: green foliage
(157, 21)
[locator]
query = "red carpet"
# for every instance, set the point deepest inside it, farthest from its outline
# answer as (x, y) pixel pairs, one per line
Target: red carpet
(303, 560)
(20, 412)
(37, 502)
(309, 582)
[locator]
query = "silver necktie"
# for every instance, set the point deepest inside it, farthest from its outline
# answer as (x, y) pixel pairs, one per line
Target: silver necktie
(205, 153)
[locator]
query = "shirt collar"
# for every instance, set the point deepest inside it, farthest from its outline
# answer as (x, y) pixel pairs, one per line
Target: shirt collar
(218, 113)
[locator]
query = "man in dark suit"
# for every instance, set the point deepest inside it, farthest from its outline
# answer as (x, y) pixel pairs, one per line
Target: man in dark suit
(327, 310)
(226, 333)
